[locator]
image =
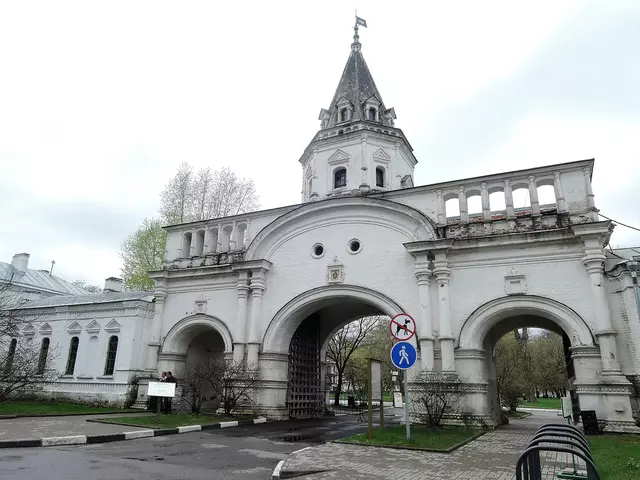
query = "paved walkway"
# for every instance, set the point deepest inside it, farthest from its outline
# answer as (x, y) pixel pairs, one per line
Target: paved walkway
(492, 456)
(42, 427)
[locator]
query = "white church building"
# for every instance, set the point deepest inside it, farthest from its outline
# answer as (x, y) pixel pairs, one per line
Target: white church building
(270, 287)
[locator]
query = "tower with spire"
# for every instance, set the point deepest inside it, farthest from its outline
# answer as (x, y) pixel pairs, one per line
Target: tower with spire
(358, 150)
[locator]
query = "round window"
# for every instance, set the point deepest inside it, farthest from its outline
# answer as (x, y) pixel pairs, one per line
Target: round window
(354, 246)
(318, 250)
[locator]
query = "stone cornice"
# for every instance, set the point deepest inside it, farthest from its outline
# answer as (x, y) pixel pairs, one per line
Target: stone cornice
(274, 356)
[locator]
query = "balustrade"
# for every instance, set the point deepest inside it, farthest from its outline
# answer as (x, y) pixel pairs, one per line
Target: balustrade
(537, 191)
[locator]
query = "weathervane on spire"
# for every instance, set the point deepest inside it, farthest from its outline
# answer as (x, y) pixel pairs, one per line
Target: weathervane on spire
(355, 46)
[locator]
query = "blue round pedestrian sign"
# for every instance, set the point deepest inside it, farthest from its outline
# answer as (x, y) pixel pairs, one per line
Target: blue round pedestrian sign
(403, 355)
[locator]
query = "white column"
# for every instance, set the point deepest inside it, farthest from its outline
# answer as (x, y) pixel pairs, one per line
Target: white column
(561, 203)
(594, 263)
(192, 247)
(241, 317)
(508, 200)
(153, 346)
(364, 181)
(533, 196)
(591, 203)
(207, 240)
(425, 332)
(486, 208)
(443, 275)
(587, 181)
(247, 235)
(462, 200)
(440, 209)
(258, 287)
(232, 237)
(219, 239)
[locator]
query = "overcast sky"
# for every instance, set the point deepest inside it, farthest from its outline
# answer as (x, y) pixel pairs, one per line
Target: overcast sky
(100, 102)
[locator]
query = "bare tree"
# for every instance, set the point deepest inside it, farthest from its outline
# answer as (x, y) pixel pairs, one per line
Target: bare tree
(232, 383)
(437, 394)
(177, 196)
(344, 343)
(207, 194)
(25, 365)
(86, 286)
(195, 385)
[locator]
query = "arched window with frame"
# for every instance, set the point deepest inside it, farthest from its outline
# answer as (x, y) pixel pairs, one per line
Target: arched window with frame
(44, 353)
(8, 365)
(340, 178)
(379, 177)
(372, 114)
(344, 114)
(73, 355)
(112, 350)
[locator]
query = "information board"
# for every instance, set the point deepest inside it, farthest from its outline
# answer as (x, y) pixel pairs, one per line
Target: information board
(376, 380)
(161, 389)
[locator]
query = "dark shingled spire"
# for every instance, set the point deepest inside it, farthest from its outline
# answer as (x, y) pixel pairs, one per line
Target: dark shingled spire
(355, 89)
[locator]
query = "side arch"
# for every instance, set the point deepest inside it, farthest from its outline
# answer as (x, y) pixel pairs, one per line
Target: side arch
(286, 321)
(182, 333)
(548, 314)
(412, 223)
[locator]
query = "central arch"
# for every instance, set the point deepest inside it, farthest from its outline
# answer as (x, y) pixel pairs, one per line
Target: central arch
(362, 301)
(300, 331)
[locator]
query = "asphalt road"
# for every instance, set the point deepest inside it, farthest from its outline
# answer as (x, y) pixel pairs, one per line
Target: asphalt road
(236, 453)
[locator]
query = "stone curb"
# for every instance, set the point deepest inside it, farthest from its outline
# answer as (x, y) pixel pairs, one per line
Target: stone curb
(116, 437)
(41, 415)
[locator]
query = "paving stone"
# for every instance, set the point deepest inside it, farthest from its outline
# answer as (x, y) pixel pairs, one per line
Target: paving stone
(491, 457)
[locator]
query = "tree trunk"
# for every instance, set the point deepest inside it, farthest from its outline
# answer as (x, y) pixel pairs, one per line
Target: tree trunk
(336, 400)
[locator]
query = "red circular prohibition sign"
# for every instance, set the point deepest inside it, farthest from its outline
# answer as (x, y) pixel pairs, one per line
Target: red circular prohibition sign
(402, 327)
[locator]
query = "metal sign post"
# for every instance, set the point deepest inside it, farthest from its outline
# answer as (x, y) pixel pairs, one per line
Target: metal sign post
(369, 398)
(404, 356)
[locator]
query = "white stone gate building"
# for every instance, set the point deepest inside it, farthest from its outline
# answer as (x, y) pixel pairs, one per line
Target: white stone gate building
(272, 286)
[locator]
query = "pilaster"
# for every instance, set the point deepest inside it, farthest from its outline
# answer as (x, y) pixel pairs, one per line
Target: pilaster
(425, 338)
(242, 288)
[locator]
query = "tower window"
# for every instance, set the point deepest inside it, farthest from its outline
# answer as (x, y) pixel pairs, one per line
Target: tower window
(344, 115)
(372, 114)
(379, 177)
(340, 178)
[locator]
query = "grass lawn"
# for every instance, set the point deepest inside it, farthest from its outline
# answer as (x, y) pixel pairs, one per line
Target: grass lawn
(439, 439)
(171, 421)
(547, 403)
(617, 456)
(43, 407)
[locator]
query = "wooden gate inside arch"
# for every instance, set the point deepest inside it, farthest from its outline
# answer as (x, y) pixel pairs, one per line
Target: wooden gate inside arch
(304, 395)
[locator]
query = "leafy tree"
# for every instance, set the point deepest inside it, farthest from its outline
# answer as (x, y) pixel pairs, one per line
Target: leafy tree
(510, 365)
(344, 343)
(142, 252)
(548, 358)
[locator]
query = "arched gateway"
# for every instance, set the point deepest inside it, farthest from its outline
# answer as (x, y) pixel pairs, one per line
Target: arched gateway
(274, 284)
